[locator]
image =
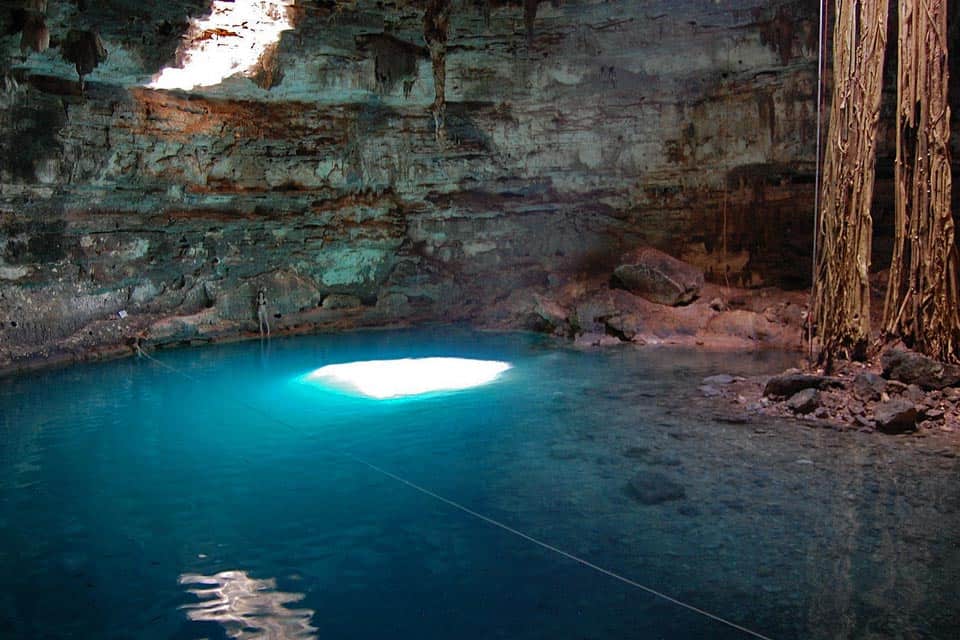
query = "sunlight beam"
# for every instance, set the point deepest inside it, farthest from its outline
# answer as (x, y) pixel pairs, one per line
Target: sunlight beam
(229, 41)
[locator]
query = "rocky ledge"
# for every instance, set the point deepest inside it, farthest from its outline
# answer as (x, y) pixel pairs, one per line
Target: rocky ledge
(899, 393)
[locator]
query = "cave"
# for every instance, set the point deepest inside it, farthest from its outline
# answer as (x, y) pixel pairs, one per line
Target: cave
(612, 204)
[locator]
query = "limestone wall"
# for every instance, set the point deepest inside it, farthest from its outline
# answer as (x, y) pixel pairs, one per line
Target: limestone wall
(688, 125)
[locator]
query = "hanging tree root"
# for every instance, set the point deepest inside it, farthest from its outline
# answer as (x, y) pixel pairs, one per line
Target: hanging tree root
(842, 289)
(921, 306)
(436, 22)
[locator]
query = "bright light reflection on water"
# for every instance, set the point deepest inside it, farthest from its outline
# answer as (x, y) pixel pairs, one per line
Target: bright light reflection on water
(247, 608)
(136, 502)
(382, 379)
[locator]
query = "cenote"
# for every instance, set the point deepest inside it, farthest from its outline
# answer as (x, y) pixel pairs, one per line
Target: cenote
(211, 493)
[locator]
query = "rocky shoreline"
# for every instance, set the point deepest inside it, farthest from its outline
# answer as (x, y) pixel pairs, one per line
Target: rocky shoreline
(899, 393)
(652, 300)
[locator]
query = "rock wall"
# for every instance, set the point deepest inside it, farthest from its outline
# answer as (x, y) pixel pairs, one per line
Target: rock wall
(571, 133)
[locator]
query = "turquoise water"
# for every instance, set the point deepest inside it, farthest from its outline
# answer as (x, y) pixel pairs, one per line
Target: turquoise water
(136, 502)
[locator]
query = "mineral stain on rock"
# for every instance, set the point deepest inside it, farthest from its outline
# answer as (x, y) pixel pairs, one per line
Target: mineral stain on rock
(332, 182)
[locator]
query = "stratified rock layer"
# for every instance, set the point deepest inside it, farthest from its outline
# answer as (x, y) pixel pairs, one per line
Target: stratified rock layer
(571, 135)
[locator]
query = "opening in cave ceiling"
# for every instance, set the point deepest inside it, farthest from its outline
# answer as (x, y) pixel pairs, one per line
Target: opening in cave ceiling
(228, 41)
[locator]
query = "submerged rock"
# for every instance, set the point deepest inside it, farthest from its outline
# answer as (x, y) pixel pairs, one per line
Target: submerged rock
(658, 277)
(896, 416)
(914, 368)
(655, 488)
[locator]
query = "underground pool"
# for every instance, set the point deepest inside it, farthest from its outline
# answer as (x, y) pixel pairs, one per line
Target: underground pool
(225, 492)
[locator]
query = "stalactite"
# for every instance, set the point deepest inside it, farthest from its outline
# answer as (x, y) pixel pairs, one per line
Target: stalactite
(842, 288)
(85, 50)
(35, 35)
(530, 16)
(436, 22)
(921, 306)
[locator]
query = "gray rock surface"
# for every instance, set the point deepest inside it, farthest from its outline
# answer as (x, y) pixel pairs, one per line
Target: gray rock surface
(659, 277)
(869, 386)
(896, 416)
(787, 384)
(804, 401)
(913, 368)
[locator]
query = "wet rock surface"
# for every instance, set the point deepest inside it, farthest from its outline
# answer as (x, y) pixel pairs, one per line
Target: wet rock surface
(855, 397)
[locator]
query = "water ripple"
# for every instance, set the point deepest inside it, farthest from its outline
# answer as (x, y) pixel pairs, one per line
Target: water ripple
(247, 608)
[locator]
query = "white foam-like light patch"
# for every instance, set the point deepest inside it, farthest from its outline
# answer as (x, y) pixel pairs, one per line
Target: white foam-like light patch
(383, 379)
(229, 41)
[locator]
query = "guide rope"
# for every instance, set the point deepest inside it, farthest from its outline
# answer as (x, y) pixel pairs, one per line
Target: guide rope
(816, 176)
(476, 514)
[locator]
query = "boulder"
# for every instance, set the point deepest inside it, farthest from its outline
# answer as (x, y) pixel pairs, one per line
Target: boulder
(658, 277)
(625, 325)
(787, 384)
(655, 488)
(804, 401)
(741, 323)
(914, 368)
(896, 416)
(868, 386)
(549, 316)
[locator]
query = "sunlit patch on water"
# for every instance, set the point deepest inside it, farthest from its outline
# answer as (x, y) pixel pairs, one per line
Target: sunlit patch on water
(247, 608)
(382, 379)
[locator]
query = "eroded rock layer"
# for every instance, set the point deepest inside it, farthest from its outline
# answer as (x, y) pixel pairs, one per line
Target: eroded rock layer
(570, 134)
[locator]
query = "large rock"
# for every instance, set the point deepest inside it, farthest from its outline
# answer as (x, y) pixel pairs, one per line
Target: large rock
(913, 368)
(896, 416)
(341, 301)
(659, 277)
(804, 402)
(787, 384)
(869, 386)
(742, 323)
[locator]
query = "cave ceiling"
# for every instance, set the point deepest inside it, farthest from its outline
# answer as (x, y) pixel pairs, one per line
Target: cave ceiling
(328, 36)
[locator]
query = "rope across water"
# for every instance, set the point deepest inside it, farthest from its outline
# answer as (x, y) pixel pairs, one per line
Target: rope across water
(475, 514)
